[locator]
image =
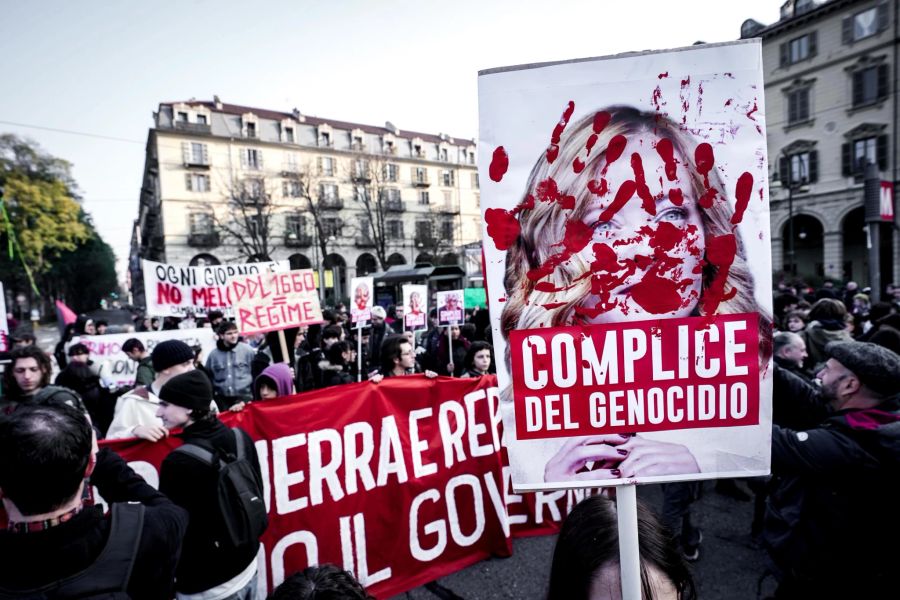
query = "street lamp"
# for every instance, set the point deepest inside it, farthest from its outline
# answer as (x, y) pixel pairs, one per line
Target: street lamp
(787, 179)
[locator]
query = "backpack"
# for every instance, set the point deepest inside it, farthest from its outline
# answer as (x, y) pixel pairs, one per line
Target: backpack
(241, 506)
(107, 577)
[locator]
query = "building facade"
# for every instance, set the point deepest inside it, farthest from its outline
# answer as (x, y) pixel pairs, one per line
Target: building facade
(226, 183)
(831, 108)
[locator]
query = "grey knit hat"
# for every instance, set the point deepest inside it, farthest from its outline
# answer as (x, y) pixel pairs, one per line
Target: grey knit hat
(876, 367)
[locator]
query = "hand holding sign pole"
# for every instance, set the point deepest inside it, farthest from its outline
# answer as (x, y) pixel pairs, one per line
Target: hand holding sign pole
(360, 312)
(451, 312)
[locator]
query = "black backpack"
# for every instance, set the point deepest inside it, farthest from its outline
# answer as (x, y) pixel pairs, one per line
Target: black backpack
(240, 495)
(107, 577)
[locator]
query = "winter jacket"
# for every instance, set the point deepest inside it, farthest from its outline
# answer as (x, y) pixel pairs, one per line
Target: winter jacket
(817, 337)
(145, 373)
(460, 348)
(192, 485)
(831, 514)
(34, 559)
(279, 374)
(232, 377)
(334, 374)
(137, 407)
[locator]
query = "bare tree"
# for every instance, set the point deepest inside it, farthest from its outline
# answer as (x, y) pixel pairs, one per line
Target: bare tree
(248, 218)
(371, 177)
(317, 197)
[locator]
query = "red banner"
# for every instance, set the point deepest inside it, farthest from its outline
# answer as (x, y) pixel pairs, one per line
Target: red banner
(400, 482)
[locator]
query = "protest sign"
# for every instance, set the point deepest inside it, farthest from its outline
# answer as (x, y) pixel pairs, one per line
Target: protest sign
(415, 307)
(180, 290)
(361, 292)
(272, 301)
(4, 324)
(450, 307)
(117, 368)
(404, 485)
(627, 252)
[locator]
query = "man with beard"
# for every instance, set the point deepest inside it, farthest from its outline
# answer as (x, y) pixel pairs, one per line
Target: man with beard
(831, 512)
(230, 364)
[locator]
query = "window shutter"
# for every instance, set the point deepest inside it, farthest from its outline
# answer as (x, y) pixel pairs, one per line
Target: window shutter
(846, 163)
(858, 87)
(244, 152)
(882, 81)
(187, 182)
(804, 104)
(813, 166)
(813, 43)
(784, 54)
(259, 160)
(205, 154)
(881, 151)
(882, 16)
(186, 152)
(847, 30)
(792, 108)
(784, 170)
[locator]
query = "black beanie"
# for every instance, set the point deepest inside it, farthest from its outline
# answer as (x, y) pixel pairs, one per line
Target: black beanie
(170, 353)
(189, 390)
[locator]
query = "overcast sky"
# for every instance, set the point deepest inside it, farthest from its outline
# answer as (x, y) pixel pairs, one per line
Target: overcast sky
(102, 68)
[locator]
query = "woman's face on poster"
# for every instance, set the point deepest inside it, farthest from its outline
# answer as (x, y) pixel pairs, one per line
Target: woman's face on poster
(452, 302)
(362, 295)
(414, 302)
(668, 245)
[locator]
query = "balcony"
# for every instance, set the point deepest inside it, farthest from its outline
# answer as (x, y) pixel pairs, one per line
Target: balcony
(360, 177)
(447, 209)
(331, 203)
(292, 239)
(394, 205)
(196, 163)
(421, 181)
(192, 127)
(364, 241)
(203, 240)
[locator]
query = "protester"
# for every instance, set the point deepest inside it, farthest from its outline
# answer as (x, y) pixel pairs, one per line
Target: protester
(829, 519)
(27, 379)
(59, 351)
(135, 350)
(479, 360)
(21, 339)
(586, 558)
(322, 582)
(211, 566)
(303, 368)
(135, 414)
(276, 381)
(58, 547)
(230, 364)
(335, 368)
(794, 321)
(827, 323)
(790, 353)
(215, 319)
(452, 364)
(380, 329)
(102, 327)
(397, 359)
(81, 376)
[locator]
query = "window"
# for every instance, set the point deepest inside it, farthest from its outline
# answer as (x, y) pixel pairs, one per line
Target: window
(360, 194)
(289, 135)
(799, 49)
(447, 230)
(417, 151)
(864, 24)
(331, 227)
(389, 147)
(326, 165)
(391, 172)
(290, 162)
(870, 85)
(863, 150)
(255, 227)
(357, 143)
(201, 119)
(194, 154)
(423, 230)
(475, 183)
(361, 169)
(254, 190)
(251, 130)
(251, 158)
(394, 229)
(420, 175)
(291, 188)
(799, 168)
(328, 192)
(448, 177)
(295, 225)
(196, 182)
(391, 194)
(798, 106)
(201, 223)
(423, 197)
(182, 117)
(443, 155)
(324, 139)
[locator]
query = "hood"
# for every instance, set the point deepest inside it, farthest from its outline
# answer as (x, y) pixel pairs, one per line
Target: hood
(280, 373)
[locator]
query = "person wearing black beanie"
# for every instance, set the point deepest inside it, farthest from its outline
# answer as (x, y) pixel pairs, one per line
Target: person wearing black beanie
(206, 562)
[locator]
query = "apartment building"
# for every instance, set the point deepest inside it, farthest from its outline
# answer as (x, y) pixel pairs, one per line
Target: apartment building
(831, 108)
(219, 175)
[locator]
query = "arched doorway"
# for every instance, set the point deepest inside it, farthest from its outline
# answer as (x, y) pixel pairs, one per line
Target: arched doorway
(299, 261)
(450, 259)
(396, 259)
(204, 260)
(366, 264)
(424, 258)
(335, 271)
(808, 244)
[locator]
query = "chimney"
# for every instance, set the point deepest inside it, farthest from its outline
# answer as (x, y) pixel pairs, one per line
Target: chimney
(218, 102)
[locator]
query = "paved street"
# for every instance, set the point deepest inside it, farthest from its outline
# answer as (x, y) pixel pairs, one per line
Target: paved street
(729, 568)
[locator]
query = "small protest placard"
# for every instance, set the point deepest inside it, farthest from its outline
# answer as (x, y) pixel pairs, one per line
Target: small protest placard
(450, 307)
(415, 307)
(361, 292)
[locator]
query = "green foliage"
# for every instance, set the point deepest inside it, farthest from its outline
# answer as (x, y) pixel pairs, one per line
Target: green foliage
(84, 276)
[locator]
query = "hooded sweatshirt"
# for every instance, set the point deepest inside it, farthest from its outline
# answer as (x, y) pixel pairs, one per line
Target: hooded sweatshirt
(280, 375)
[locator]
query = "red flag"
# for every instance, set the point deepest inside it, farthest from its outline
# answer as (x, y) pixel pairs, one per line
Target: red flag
(64, 314)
